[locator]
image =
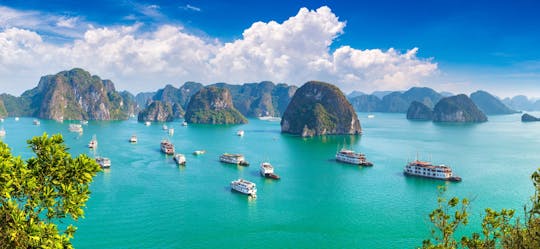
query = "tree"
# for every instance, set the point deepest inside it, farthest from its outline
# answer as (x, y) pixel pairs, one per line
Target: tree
(499, 230)
(41, 191)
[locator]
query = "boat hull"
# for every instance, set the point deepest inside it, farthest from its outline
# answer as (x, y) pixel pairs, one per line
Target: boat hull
(451, 179)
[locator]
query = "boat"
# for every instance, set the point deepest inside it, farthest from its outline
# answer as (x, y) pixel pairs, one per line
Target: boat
(370, 116)
(351, 157)
(16, 118)
(270, 118)
(164, 127)
(147, 123)
(428, 170)
(84, 122)
(199, 152)
(167, 147)
(104, 162)
(36, 122)
(184, 123)
(171, 131)
(93, 143)
(1, 120)
(268, 171)
(133, 139)
(180, 159)
(244, 187)
(240, 133)
(75, 128)
(2, 132)
(233, 159)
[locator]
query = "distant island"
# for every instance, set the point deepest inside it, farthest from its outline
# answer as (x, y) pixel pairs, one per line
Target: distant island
(213, 105)
(459, 108)
(319, 108)
(529, 118)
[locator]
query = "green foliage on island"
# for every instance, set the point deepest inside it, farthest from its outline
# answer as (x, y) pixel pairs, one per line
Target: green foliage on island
(213, 105)
(490, 104)
(459, 108)
(319, 108)
(37, 193)
(3, 111)
(395, 101)
(157, 111)
(419, 111)
(500, 229)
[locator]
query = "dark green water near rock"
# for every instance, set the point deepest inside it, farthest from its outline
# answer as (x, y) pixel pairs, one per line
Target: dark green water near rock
(146, 201)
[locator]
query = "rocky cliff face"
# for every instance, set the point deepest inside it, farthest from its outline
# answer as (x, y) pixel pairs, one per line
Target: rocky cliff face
(395, 101)
(178, 98)
(459, 108)
(366, 103)
(529, 118)
(73, 95)
(419, 111)
(489, 104)
(319, 108)
(157, 111)
(213, 105)
(3, 111)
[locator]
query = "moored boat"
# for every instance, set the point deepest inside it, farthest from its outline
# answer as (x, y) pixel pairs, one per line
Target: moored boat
(93, 143)
(180, 159)
(184, 123)
(133, 139)
(16, 118)
(428, 170)
(104, 162)
(267, 170)
(199, 152)
(244, 187)
(75, 128)
(167, 147)
(171, 131)
(370, 116)
(240, 133)
(84, 122)
(164, 127)
(351, 157)
(2, 132)
(36, 122)
(147, 123)
(233, 159)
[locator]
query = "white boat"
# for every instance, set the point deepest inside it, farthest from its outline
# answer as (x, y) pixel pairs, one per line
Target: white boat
(351, 157)
(171, 131)
(75, 128)
(36, 122)
(84, 122)
(164, 127)
(180, 159)
(370, 116)
(428, 170)
(93, 143)
(16, 118)
(267, 170)
(184, 123)
(104, 162)
(1, 120)
(199, 152)
(244, 187)
(133, 139)
(270, 118)
(2, 132)
(167, 147)
(147, 123)
(240, 133)
(233, 159)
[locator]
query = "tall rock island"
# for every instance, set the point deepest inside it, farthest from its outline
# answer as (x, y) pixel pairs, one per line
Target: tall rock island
(459, 108)
(319, 108)
(490, 104)
(157, 111)
(419, 111)
(213, 105)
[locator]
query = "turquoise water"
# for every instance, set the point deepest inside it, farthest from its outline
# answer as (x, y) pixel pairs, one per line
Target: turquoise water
(146, 201)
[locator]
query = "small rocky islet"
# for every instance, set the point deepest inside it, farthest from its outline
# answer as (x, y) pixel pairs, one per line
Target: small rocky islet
(459, 108)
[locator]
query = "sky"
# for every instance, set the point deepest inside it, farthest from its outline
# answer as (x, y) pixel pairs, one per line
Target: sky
(449, 45)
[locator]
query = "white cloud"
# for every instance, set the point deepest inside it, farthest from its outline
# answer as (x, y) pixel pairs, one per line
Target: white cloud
(191, 7)
(294, 51)
(67, 22)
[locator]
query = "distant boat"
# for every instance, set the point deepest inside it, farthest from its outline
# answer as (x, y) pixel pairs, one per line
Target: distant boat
(244, 187)
(184, 123)
(75, 128)
(84, 122)
(270, 118)
(104, 162)
(267, 171)
(370, 116)
(351, 157)
(180, 159)
(147, 123)
(167, 147)
(164, 127)
(171, 131)
(237, 159)
(199, 152)
(93, 143)
(240, 133)
(36, 122)
(16, 118)
(1, 120)
(2, 132)
(133, 139)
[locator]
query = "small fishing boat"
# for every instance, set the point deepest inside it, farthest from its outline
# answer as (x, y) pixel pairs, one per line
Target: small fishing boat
(36, 122)
(133, 139)
(75, 128)
(93, 143)
(184, 123)
(370, 116)
(164, 127)
(199, 152)
(180, 159)
(147, 123)
(240, 133)
(267, 170)
(84, 122)
(2, 132)
(171, 131)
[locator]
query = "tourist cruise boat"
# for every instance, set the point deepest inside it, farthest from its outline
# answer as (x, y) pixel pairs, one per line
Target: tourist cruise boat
(180, 159)
(2, 132)
(351, 157)
(233, 159)
(93, 143)
(75, 128)
(36, 122)
(426, 169)
(167, 147)
(240, 133)
(133, 139)
(244, 187)
(104, 162)
(267, 170)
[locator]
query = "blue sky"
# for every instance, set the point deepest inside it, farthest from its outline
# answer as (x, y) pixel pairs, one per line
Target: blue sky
(461, 45)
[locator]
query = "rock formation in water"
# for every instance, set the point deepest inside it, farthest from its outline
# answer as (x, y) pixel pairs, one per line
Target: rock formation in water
(319, 108)
(366, 103)
(213, 105)
(459, 108)
(157, 111)
(490, 104)
(419, 111)
(529, 118)
(395, 101)
(3, 111)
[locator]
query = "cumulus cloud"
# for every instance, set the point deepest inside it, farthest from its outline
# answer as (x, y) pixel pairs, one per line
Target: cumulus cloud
(294, 51)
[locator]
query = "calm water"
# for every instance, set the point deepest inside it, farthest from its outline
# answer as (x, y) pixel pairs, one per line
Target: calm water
(146, 201)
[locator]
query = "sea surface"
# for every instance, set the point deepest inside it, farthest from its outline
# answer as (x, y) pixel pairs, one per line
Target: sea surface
(146, 201)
